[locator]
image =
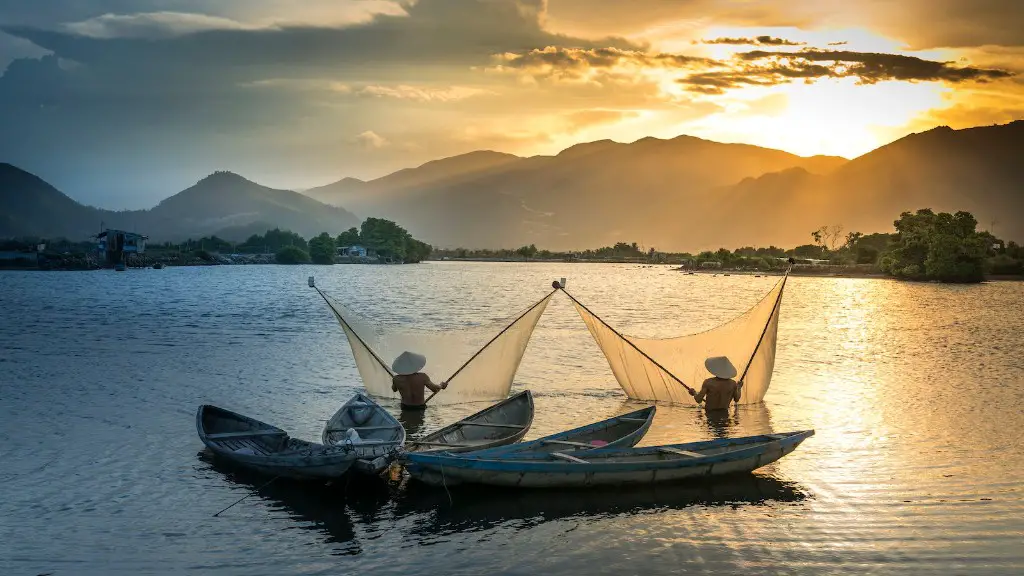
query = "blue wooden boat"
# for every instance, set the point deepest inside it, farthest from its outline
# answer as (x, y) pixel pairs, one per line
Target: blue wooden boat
(503, 423)
(622, 431)
(606, 467)
(366, 427)
(256, 445)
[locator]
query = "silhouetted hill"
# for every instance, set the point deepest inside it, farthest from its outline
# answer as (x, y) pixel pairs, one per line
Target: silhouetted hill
(222, 203)
(590, 194)
(975, 169)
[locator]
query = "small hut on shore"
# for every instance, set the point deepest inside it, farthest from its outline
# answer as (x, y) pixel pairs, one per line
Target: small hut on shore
(117, 246)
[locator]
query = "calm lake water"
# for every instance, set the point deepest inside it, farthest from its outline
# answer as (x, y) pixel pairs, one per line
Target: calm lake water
(916, 392)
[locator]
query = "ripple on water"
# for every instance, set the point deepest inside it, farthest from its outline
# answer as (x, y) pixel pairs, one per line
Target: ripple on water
(915, 391)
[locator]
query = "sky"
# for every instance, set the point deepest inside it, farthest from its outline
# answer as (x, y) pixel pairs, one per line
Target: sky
(121, 103)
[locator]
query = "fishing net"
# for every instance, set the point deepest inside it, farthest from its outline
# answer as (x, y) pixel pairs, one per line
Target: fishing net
(479, 361)
(658, 369)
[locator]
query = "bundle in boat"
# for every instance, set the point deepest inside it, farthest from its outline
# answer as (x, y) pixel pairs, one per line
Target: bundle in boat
(664, 368)
(623, 431)
(367, 429)
(258, 446)
(606, 467)
(479, 361)
(498, 425)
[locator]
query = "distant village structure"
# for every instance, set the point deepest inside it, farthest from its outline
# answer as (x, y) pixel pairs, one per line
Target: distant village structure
(116, 246)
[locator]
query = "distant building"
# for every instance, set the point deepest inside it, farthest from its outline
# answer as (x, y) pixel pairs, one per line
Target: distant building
(711, 264)
(352, 252)
(115, 246)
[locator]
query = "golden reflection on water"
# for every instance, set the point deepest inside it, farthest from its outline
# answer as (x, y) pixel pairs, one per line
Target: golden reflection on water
(914, 390)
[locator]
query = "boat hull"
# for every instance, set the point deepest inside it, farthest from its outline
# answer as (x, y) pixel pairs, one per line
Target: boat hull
(622, 431)
(381, 434)
(498, 425)
(532, 471)
(248, 443)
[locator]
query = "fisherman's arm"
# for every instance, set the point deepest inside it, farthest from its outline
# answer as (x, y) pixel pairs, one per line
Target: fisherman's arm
(699, 396)
(433, 387)
(737, 392)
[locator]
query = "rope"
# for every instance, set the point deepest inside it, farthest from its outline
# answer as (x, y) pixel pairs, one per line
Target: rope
(256, 491)
(354, 333)
(628, 341)
(492, 340)
(767, 324)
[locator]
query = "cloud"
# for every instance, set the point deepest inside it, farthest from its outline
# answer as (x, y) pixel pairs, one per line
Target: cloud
(577, 63)
(767, 68)
(843, 43)
(419, 93)
(152, 25)
(583, 119)
(371, 140)
(758, 41)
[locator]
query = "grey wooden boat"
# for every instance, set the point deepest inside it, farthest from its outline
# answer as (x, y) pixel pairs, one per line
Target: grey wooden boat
(267, 449)
(503, 423)
(622, 431)
(375, 434)
(611, 467)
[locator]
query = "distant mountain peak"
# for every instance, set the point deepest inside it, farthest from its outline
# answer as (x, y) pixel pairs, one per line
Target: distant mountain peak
(224, 177)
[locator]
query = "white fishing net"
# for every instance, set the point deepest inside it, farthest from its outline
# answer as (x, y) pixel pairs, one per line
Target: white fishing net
(493, 351)
(748, 341)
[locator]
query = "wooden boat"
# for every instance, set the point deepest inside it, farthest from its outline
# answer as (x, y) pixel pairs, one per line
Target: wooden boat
(504, 423)
(611, 467)
(267, 449)
(375, 434)
(622, 431)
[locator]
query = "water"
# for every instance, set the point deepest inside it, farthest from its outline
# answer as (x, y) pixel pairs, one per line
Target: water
(915, 391)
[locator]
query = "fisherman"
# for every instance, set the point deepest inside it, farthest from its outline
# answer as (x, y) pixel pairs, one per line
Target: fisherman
(410, 382)
(719, 390)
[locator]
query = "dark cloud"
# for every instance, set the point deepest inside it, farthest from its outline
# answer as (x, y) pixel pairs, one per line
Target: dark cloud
(758, 41)
(569, 60)
(159, 93)
(766, 68)
(871, 67)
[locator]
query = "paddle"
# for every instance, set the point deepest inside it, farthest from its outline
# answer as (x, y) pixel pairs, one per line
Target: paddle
(256, 491)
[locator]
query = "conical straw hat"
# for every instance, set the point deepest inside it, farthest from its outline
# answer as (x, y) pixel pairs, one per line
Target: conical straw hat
(408, 363)
(720, 366)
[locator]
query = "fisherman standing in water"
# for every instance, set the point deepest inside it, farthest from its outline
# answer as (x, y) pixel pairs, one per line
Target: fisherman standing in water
(720, 390)
(410, 382)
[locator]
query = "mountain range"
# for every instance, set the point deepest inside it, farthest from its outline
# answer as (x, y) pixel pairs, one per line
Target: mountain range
(692, 194)
(223, 203)
(679, 194)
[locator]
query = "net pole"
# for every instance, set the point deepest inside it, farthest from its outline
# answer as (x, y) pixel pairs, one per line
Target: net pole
(766, 325)
(627, 341)
(354, 333)
(492, 340)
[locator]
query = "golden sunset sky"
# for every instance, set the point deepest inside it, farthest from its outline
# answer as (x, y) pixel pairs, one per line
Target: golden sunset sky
(121, 101)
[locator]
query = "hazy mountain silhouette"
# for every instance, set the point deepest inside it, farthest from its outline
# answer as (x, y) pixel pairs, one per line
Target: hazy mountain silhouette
(688, 194)
(590, 194)
(222, 203)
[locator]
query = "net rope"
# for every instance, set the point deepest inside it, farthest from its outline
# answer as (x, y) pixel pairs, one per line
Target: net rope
(666, 369)
(479, 361)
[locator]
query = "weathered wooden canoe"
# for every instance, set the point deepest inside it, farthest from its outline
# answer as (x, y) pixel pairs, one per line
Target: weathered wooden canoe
(504, 423)
(267, 449)
(375, 434)
(603, 467)
(622, 431)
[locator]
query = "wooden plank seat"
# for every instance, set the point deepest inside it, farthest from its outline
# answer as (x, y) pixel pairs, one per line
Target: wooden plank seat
(245, 434)
(358, 428)
(568, 458)
(570, 443)
(487, 425)
(678, 452)
(421, 443)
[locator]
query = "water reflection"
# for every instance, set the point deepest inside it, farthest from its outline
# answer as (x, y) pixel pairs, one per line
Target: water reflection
(747, 420)
(312, 505)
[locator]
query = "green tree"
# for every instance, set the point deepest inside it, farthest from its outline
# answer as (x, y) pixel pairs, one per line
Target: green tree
(292, 255)
(944, 247)
(527, 252)
(349, 237)
(322, 249)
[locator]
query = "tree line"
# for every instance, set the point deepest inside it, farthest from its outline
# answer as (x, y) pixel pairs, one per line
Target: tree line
(926, 245)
